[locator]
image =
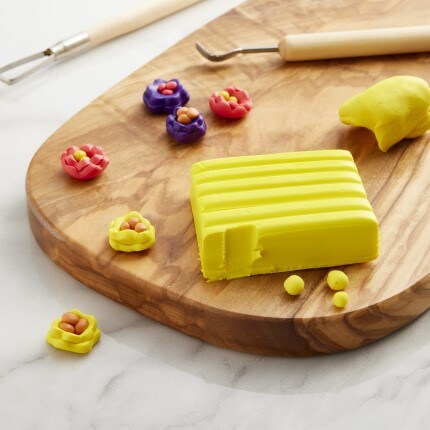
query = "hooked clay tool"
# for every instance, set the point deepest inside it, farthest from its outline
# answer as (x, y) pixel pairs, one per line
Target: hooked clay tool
(340, 44)
(143, 13)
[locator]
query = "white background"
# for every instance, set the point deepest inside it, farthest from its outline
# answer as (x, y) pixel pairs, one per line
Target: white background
(144, 375)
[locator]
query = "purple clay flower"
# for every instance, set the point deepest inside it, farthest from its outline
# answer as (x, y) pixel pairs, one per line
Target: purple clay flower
(186, 125)
(165, 96)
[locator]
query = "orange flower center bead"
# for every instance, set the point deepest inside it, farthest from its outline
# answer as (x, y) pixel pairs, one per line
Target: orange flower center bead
(72, 323)
(185, 115)
(133, 223)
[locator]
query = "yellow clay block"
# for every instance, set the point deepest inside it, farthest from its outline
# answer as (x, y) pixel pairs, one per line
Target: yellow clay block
(281, 212)
(394, 109)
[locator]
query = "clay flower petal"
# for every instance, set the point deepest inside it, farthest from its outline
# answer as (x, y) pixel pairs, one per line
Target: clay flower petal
(165, 103)
(70, 160)
(229, 108)
(97, 159)
(86, 168)
(84, 162)
(71, 150)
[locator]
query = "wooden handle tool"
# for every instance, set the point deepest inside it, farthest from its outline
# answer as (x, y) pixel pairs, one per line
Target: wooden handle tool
(340, 44)
(141, 14)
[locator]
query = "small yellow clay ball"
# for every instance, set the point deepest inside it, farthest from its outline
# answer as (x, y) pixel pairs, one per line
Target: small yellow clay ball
(294, 285)
(79, 154)
(340, 299)
(337, 280)
(225, 94)
(232, 99)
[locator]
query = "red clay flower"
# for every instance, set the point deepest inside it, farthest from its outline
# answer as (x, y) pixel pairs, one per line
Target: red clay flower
(85, 162)
(232, 102)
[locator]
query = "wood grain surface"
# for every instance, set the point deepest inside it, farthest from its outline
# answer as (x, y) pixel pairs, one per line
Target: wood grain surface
(295, 108)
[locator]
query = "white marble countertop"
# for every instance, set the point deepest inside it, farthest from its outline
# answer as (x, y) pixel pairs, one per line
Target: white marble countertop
(144, 375)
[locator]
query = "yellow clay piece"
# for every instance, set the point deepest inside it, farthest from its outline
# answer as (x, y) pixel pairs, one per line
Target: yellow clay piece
(79, 154)
(225, 94)
(340, 299)
(281, 212)
(130, 240)
(232, 99)
(294, 285)
(394, 109)
(78, 343)
(337, 280)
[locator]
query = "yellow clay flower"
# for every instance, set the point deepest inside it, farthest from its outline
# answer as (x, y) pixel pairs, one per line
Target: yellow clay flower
(78, 343)
(130, 240)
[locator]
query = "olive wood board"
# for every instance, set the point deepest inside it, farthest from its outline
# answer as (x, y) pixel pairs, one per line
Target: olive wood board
(295, 108)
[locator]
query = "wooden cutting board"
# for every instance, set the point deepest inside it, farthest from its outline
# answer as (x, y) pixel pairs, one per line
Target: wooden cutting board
(295, 108)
